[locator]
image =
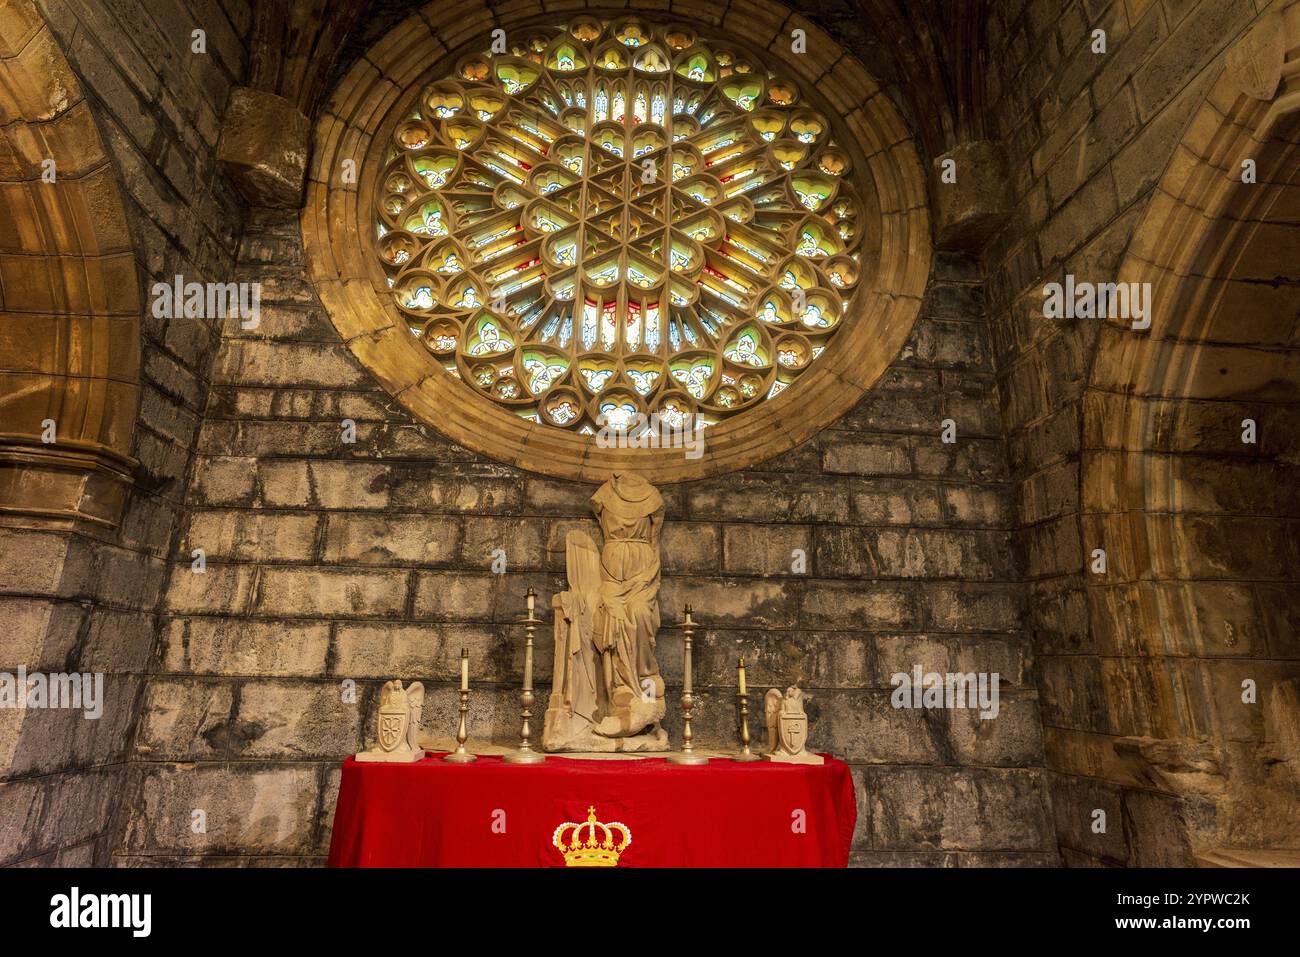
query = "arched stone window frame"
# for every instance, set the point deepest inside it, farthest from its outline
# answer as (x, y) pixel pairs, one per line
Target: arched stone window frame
(362, 110)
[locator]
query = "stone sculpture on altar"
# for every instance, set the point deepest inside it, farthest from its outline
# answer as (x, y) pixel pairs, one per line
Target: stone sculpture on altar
(607, 693)
(398, 725)
(787, 728)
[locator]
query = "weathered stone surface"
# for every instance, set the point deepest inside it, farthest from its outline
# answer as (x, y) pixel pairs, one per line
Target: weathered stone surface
(768, 550)
(300, 721)
(775, 658)
(39, 633)
(915, 553)
(253, 536)
(366, 650)
(220, 480)
(215, 645)
(859, 605)
(222, 589)
(864, 727)
(131, 85)
(852, 455)
(188, 719)
(1013, 738)
(264, 147)
(969, 211)
(359, 539)
(63, 810)
(31, 562)
(247, 809)
(327, 591)
(957, 809)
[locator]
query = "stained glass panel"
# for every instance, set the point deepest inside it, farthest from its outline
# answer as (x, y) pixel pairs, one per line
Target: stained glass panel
(616, 217)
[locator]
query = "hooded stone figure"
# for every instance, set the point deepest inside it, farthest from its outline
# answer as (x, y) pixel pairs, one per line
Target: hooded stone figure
(607, 693)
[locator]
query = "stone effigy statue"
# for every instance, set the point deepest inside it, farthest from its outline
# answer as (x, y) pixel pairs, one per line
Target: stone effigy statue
(607, 693)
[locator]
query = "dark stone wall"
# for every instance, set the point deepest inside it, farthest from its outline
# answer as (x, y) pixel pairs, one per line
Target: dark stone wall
(1088, 137)
(330, 563)
(84, 601)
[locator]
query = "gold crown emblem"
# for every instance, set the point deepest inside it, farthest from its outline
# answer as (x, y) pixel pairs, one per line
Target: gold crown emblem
(594, 851)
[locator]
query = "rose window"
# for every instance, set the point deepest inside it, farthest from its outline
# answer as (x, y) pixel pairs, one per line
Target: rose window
(614, 218)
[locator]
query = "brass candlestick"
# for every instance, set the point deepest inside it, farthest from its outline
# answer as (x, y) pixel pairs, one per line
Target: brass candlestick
(526, 754)
(745, 754)
(460, 755)
(687, 755)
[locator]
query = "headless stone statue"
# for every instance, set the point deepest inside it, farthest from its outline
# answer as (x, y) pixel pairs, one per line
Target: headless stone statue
(608, 694)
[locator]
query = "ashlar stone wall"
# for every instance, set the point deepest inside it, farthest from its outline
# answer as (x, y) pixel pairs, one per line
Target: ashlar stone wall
(1140, 668)
(330, 563)
(84, 600)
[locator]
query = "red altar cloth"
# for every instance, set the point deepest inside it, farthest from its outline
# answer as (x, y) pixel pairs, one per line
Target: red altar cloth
(492, 814)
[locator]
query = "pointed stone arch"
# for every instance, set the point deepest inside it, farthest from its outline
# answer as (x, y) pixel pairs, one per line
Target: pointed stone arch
(70, 293)
(1200, 527)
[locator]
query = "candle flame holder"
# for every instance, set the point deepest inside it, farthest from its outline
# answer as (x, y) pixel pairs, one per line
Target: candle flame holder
(743, 696)
(460, 755)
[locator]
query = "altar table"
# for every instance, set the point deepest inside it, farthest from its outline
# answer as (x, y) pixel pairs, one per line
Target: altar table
(492, 814)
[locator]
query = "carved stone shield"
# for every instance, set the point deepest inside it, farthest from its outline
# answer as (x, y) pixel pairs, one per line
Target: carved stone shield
(392, 725)
(794, 732)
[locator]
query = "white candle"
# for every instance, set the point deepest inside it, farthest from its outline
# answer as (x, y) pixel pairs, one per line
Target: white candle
(464, 669)
(742, 675)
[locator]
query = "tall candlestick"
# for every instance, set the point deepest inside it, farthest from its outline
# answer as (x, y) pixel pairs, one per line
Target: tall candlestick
(460, 755)
(525, 754)
(687, 755)
(687, 636)
(528, 642)
(743, 695)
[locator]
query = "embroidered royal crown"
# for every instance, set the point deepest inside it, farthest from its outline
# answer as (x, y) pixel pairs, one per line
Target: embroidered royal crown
(597, 849)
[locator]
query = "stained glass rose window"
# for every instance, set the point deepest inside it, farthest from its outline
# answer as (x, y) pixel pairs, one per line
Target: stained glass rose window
(611, 218)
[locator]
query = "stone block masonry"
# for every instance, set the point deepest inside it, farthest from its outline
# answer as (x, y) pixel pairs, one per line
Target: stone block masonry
(866, 551)
(84, 600)
(1140, 668)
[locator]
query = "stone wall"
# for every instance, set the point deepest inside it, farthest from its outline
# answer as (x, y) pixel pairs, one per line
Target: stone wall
(330, 563)
(1137, 681)
(84, 600)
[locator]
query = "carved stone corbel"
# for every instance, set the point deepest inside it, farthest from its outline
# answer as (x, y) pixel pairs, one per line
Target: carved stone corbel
(264, 148)
(969, 210)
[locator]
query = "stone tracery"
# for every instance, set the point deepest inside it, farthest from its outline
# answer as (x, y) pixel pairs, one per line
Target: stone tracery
(613, 218)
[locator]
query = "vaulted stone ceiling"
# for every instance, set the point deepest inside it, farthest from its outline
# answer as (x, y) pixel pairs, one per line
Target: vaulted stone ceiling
(928, 53)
